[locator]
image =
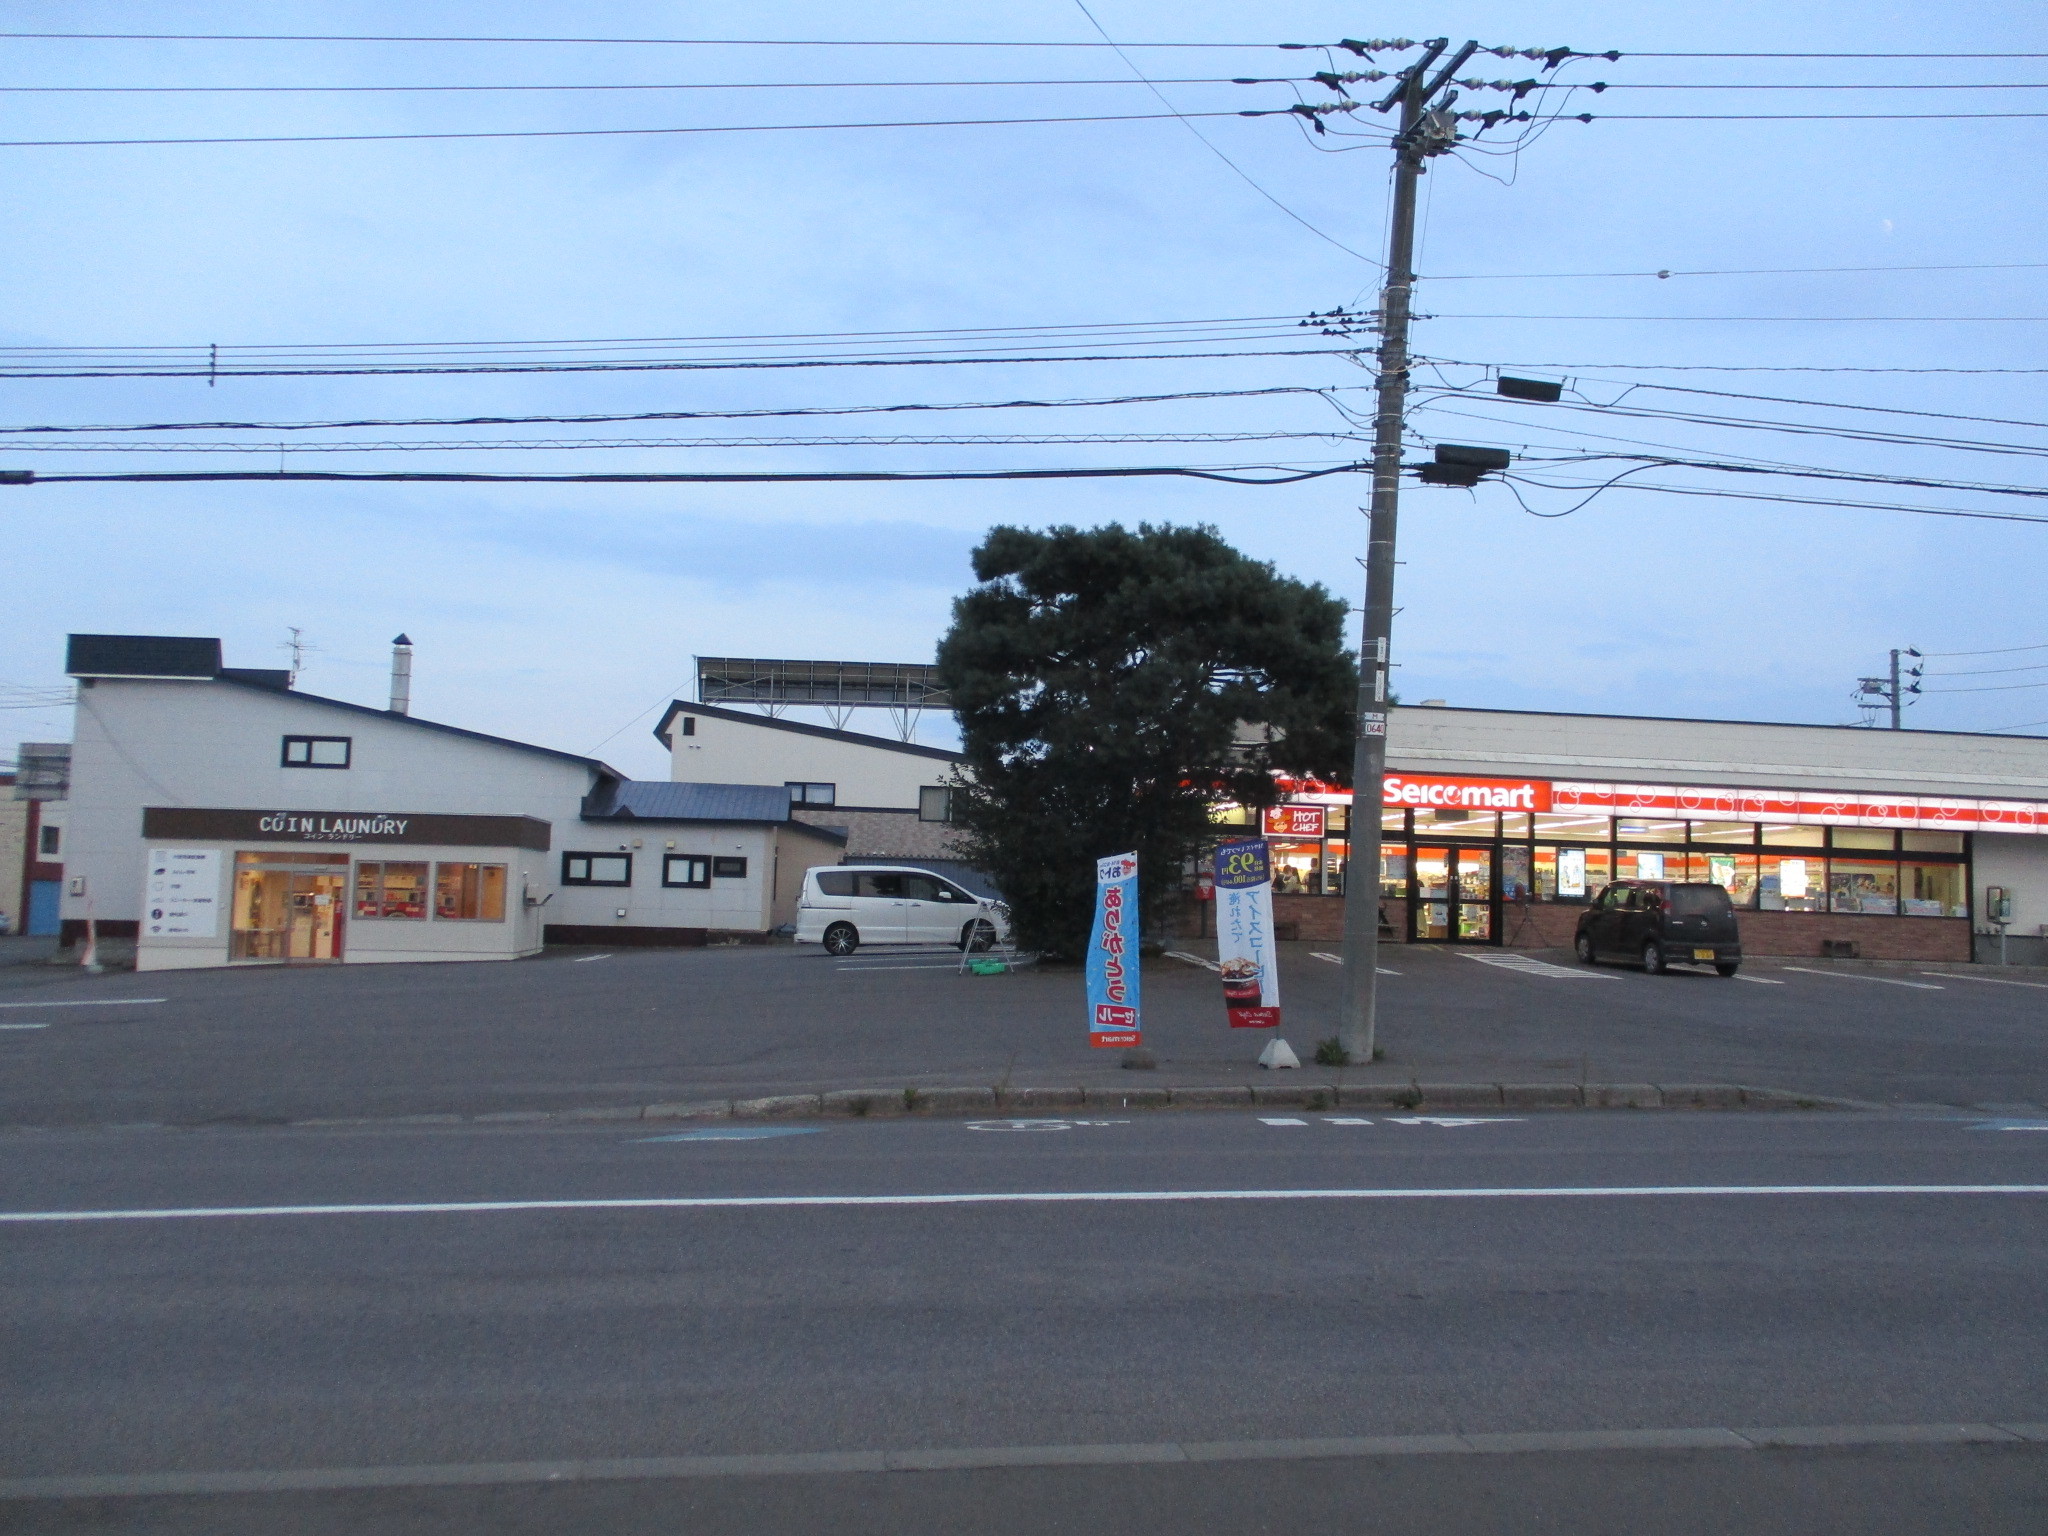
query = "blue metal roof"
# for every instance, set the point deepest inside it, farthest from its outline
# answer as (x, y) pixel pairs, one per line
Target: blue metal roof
(659, 800)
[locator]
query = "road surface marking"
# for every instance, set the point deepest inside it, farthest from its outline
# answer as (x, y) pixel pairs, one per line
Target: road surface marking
(104, 1002)
(24, 1026)
(101, 1485)
(1279, 1120)
(947, 966)
(1532, 967)
(2010, 1125)
(1034, 1197)
(1762, 981)
(1181, 954)
(1924, 986)
(1457, 1120)
(1996, 981)
(748, 1133)
(1036, 1125)
(1317, 954)
(1344, 1120)
(586, 959)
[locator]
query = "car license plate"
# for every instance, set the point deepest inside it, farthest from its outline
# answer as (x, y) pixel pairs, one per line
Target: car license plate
(1703, 954)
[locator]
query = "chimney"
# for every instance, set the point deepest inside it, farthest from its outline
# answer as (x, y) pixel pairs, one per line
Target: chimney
(401, 675)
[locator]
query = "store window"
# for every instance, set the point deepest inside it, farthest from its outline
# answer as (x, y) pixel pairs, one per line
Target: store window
(728, 869)
(317, 751)
(1735, 873)
(1789, 884)
(1227, 815)
(1630, 829)
(1571, 827)
(1514, 825)
(470, 893)
(692, 872)
(1393, 823)
(1393, 872)
(597, 869)
(1454, 821)
(812, 794)
(1738, 833)
(1932, 842)
(391, 890)
(1570, 874)
(1297, 868)
(1777, 835)
(1863, 887)
(1933, 890)
(1514, 873)
(1869, 838)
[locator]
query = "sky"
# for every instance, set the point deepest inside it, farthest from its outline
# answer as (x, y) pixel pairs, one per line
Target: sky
(567, 615)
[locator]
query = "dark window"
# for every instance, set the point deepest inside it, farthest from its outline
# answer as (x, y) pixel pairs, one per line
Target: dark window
(52, 839)
(1699, 901)
(812, 794)
(836, 882)
(316, 751)
(687, 871)
(935, 803)
(689, 725)
(882, 885)
(921, 888)
(597, 869)
(729, 868)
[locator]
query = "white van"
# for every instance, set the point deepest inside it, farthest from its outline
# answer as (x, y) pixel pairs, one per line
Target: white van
(844, 906)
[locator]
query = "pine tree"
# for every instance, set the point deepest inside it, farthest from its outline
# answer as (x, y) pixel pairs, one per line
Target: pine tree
(1111, 687)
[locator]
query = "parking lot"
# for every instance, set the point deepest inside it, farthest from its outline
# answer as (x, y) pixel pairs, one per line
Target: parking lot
(589, 1028)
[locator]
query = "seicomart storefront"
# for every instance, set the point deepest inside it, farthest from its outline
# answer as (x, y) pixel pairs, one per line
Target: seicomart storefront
(1498, 826)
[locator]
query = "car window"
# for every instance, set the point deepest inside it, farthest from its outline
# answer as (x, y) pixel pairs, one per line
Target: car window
(1628, 899)
(837, 882)
(921, 888)
(1699, 901)
(882, 885)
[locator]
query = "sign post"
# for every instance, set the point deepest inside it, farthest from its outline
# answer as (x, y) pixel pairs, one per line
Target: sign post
(1245, 956)
(1113, 954)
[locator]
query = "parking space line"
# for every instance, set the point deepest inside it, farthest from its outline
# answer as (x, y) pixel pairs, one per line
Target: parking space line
(1996, 981)
(1890, 981)
(586, 959)
(1317, 954)
(1280, 1120)
(1762, 981)
(1529, 966)
(24, 1026)
(1185, 957)
(99, 1002)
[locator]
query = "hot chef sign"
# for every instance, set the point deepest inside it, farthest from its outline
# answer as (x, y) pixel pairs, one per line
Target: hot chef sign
(1432, 791)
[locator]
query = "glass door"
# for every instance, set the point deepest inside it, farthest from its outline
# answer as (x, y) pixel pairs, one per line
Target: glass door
(288, 912)
(1454, 896)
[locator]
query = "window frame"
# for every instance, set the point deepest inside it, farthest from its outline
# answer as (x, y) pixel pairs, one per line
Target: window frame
(504, 882)
(722, 866)
(800, 792)
(569, 855)
(670, 860)
(944, 792)
(383, 891)
(49, 843)
(348, 752)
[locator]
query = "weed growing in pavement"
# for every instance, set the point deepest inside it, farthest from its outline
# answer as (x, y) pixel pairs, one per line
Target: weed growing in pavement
(911, 1099)
(1331, 1053)
(859, 1106)
(1318, 1100)
(1409, 1097)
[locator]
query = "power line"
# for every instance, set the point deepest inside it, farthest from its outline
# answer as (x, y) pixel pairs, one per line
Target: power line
(694, 85)
(1231, 474)
(1480, 277)
(403, 445)
(1832, 503)
(2003, 650)
(1748, 368)
(1993, 671)
(1838, 55)
(1775, 319)
(1788, 117)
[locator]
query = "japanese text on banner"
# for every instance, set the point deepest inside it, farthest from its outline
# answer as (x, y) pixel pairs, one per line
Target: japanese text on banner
(1113, 954)
(1244, 935)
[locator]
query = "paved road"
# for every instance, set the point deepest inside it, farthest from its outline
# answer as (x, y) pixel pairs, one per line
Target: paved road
(500, 1333)
(587, 1029)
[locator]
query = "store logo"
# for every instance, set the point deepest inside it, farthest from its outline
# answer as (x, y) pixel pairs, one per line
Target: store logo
(1466, 794)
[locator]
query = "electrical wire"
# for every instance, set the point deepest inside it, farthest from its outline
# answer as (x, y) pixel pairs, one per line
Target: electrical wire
(1772, 319)
(673, 42)
(1993, 671)
(976, 440)
(1229, 474)
(1832, 503)
(1479, 277)
(2002, 650)
(694, 85)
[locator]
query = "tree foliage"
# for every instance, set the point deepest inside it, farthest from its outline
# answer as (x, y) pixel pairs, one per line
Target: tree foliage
(1103, 679)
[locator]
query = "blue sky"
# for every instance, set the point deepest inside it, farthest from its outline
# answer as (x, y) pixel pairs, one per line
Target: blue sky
(564, 615)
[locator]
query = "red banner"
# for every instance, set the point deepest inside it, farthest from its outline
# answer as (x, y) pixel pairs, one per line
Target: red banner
(1295, 820)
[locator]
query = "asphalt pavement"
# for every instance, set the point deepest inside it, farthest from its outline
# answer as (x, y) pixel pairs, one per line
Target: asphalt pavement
(580, 1029)
(1029, 1297)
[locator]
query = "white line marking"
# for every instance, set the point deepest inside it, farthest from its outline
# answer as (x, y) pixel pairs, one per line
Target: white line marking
(86, 1485)
(1344, 1120)
(1279, 1120)
(104, 1002)
(1924, 986)
(1181, 954)
(24, 1026)
(1457, 1120)
(1996, 981)
(1762, 981)
(1037, 1197)
(1533, 967)
(586, 959)
(1317, 954)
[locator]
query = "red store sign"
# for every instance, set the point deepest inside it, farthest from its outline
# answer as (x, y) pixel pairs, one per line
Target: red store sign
(1429, 790)
(1295, 821)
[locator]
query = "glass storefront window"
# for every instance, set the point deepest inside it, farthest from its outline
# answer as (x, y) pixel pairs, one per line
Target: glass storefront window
(1452, 821)
(1786, 836)
(1863, 887)
(1297, 868)
(1632, 830)
(1337, 818)
(1933, 890)
(1861, 837)
(1734, 873)
(288, 906)
(470, 892)
(1569, 874)
(1227, 815)
(1393, 823)
(1514, 873)
(1637, 865)
(391, 890)
(1393, 872)
(1742, 833)
(1932, 842)
(1789, 884)
(1514, 825)
(1571, 827)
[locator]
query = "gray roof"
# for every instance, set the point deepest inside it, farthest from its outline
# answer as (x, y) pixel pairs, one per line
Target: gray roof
(659, 800)
(796, 728)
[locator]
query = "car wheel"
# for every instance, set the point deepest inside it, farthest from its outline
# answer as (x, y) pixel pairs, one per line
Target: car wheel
(1584, 945)
(841, 939)
(1727, 967)
(978, 935)
(1653, 958)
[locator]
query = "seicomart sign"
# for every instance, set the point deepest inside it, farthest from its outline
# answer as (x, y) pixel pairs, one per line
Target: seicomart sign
(1429, 790)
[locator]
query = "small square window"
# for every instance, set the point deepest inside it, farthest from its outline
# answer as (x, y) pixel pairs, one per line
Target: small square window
(316, 751)
(686, 871)
(935, 803)
(689, 725)
(597, 869)
(50, 840)
(729, 868)
(812, 794)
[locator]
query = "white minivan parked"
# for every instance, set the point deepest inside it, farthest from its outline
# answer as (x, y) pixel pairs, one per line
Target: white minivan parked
(844, 906)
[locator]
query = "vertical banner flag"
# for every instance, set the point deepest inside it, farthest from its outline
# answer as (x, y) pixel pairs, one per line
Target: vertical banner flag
(1113, 953)
(1244, 934)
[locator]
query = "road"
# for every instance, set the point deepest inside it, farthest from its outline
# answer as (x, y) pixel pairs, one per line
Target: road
(590, 1029)
(1596, 1274)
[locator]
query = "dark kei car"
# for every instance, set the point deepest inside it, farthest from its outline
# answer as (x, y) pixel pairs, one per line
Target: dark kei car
(1656, 923)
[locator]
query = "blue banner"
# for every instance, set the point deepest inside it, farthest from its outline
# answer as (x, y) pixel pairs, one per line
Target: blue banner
(1113, 954)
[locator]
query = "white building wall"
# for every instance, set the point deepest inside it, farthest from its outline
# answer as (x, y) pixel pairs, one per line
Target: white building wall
(736, 903)
(723, 751)
(2020, 864)
(198, 743)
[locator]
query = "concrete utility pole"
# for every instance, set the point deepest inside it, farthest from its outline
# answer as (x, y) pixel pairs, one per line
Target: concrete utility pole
(1894, 691)
(1424, 131)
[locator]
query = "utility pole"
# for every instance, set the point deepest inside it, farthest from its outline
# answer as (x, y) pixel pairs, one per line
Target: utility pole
(1424, 131)
(1892, 691)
